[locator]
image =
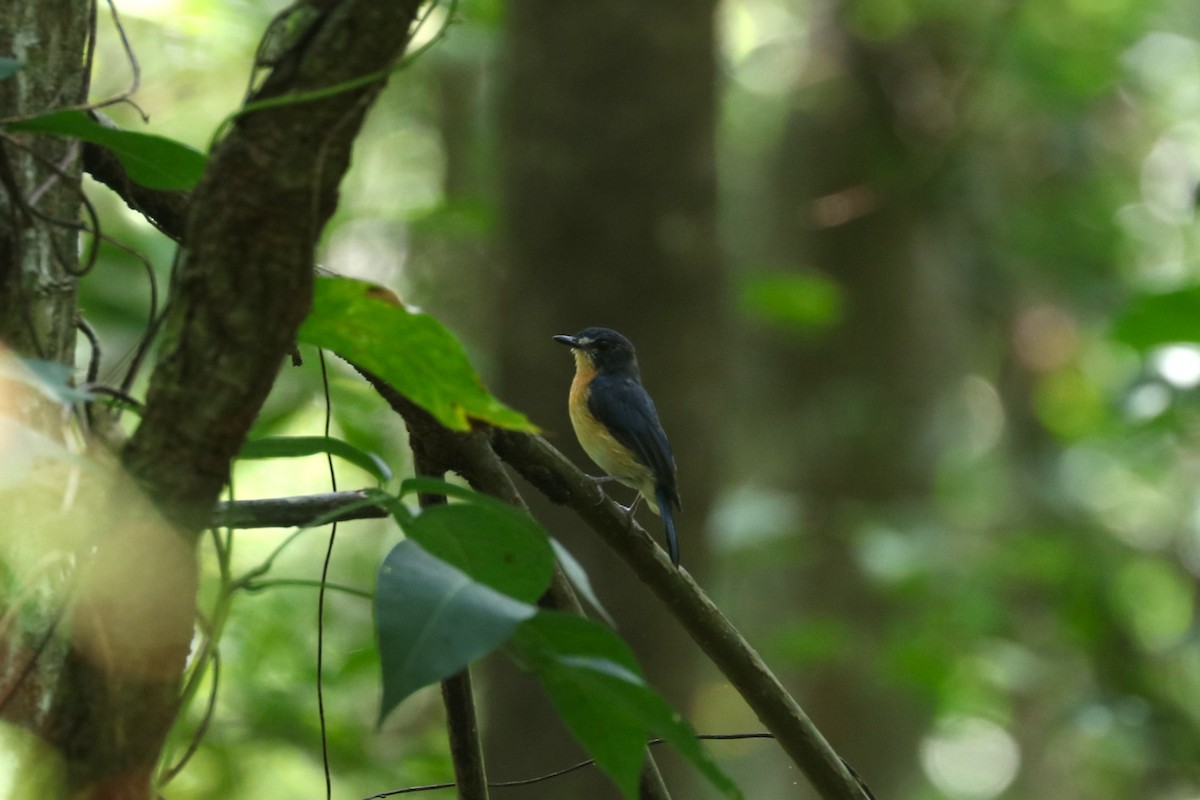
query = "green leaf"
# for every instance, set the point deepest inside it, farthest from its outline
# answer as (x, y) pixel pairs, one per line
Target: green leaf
(796, 301)
(10, 66)
(368, 326)
(493, 542)
(1157, 319)
(300, 446)
(595, 683)
(432, 620)
(500, 548)
(153, 161)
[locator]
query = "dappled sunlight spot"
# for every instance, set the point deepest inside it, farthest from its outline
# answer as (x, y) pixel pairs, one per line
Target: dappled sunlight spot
(29, 768)
(984, 412)
(46, 489)
(369, 249)
(399, 175)
(432, 21)
(1007, 664)
(1156, 602)
(766, 45)
(136, 592)
(750, 516)
(1134, 510)
(890, 555)
(1178, 364)
(1147, 401)
(1169, 174)
(1167, 65)
(970, 757)
(1158, 249)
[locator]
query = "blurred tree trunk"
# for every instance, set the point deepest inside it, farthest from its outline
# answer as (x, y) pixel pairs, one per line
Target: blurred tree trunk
(609, 219)
(860, 403)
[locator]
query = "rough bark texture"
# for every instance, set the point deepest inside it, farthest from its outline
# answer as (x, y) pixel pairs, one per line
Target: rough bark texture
(609, 205)
(39, 212)
(247, 283)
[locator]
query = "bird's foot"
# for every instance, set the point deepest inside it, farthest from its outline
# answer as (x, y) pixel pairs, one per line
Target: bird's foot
(600, 480)
(630, 510)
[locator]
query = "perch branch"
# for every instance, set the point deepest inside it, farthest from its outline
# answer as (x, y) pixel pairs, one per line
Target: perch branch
(561, 481)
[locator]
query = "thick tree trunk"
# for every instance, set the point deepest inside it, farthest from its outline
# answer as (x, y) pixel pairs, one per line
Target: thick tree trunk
(859, 405)
(609, 205)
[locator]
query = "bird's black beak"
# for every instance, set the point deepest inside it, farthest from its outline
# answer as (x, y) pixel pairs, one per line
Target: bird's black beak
(569, 341)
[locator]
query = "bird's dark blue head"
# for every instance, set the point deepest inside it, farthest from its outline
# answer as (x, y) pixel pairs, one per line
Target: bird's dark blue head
(608, 351)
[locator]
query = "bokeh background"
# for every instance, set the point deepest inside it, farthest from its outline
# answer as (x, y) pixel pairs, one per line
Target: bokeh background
(871, 253)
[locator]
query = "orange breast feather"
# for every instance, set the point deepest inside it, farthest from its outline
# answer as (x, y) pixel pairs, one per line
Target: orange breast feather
(600, 445)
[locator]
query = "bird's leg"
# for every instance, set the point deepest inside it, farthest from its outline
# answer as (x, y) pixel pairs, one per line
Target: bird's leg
(631, 508)
(598, 480)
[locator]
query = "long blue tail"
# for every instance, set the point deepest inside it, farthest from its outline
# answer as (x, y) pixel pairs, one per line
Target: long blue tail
(667, 502)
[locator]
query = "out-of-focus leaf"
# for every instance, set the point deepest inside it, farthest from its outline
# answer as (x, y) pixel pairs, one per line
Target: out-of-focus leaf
(1157, 319)
(155, 162)
(432, 620)
(597, 687)
(300, 446)
(411, 351)
(796, 301)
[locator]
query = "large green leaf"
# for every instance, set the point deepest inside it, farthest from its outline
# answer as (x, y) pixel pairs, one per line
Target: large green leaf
(411, 351)
(1157, 319)
(299, 446)
(432, 620)
(595, 683)
(153, 161)
(495, 545)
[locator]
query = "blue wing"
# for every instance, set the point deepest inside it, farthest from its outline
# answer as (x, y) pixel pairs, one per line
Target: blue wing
(622, 405)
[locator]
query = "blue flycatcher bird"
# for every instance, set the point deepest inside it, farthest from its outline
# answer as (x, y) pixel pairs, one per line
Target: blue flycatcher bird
(618, 426)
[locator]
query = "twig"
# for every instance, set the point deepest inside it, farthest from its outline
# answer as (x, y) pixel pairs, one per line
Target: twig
(292, 512)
